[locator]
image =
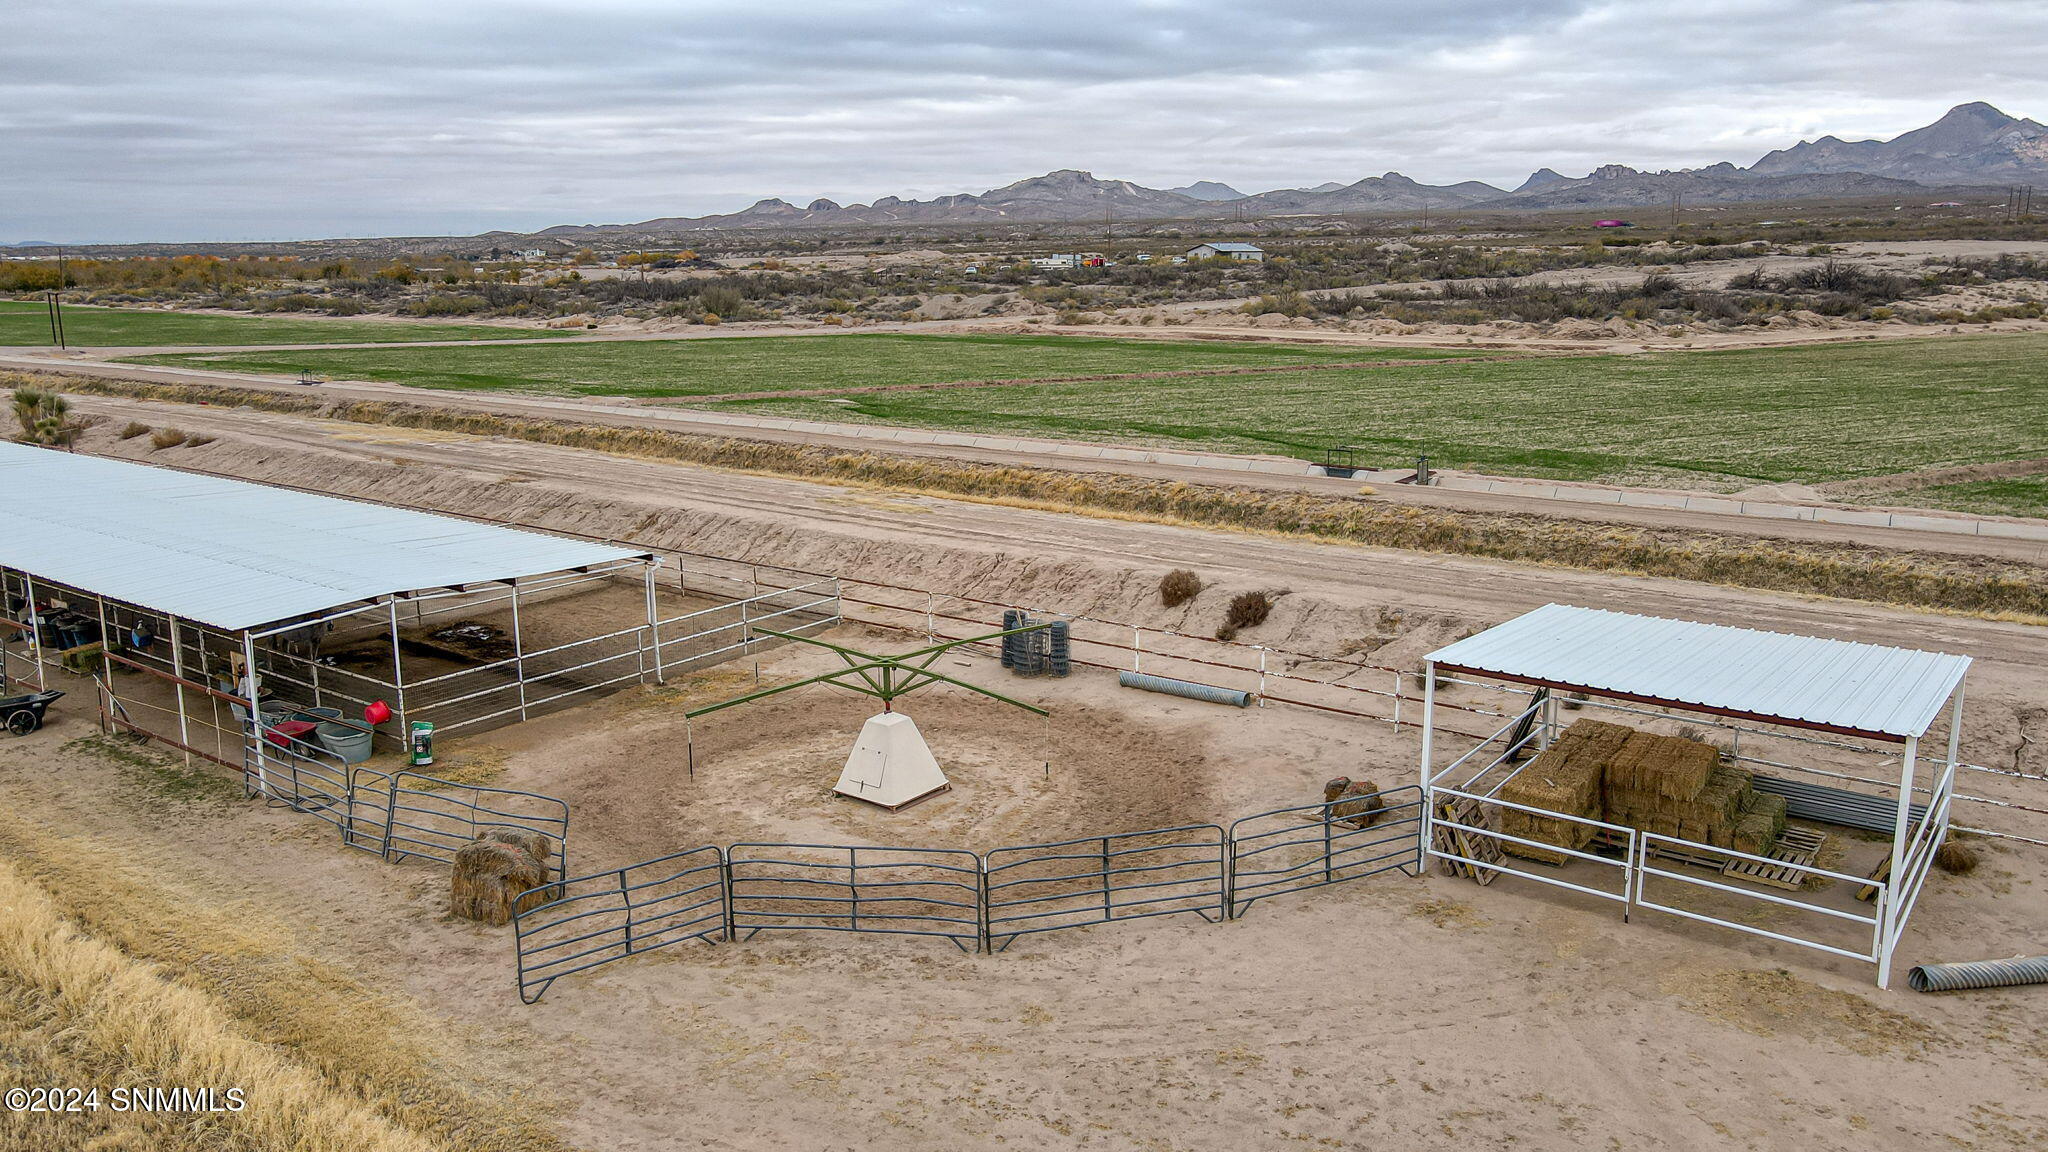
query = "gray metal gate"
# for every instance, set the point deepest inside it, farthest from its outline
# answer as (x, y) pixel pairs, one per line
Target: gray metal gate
(593, 920)
(434, 818)
(845, 888)
(1094, 880)
(1311, 845)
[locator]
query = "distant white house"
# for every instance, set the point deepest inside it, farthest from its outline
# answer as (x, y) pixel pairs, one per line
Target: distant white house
(1063, 260)
(1248, 252)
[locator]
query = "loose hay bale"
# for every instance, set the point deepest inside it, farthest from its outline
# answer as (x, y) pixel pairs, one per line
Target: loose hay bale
(1361, 802)
(489, 876)
(535, 844)
(1956, 859)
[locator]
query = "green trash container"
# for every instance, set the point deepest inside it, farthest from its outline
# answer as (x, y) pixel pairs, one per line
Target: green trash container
(422, 743)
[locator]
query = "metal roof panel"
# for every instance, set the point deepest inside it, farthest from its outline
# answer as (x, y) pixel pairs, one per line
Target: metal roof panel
(239, 555)
(1808, 680)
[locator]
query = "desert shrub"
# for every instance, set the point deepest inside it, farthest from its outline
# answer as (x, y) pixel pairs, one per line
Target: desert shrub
(45, 418)
(197, 441)
(1178, 587)
(1956, 859)
(1248, 610)
(133, 429)
(166, 438)
(723, 300)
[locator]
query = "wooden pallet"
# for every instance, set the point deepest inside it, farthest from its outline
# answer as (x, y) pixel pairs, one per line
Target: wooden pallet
(1484, 848)
(1699, 857)
(1794, 846)
(1881, 872)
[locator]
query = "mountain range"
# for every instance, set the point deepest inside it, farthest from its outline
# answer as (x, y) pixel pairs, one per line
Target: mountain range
(1972, 145)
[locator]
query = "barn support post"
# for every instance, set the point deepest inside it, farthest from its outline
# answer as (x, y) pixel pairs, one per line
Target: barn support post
(106, 665)
(398, 676)
(253, 694)
(518, 651)
(178, 670)
(1893, 906)
(1428, 749)
(35, 631)
(653, 622)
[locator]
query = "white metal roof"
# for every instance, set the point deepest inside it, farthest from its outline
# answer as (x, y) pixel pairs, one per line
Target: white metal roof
(239, 555)
(1808, 681)
(1232, 247)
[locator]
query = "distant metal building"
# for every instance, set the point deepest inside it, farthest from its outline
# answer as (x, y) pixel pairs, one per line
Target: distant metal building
(1250, 253)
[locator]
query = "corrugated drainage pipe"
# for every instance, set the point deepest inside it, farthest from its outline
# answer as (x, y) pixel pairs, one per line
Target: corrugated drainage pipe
(1979, 974)
(1188, 688)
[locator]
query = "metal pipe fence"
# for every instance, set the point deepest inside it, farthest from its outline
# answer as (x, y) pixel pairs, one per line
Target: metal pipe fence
(1034, 888)
(978, 902)
(850, 888)
(1308, 846)
(592, 920)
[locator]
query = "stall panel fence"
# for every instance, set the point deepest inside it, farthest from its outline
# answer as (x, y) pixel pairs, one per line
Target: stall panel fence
(1127, 876)
(849, 888)
(587, 921)
(1312, 845)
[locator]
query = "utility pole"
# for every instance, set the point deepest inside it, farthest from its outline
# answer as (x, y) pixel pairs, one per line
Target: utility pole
(1677, 202)
(57, 304)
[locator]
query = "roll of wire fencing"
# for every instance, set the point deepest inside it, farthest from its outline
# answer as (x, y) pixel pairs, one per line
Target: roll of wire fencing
(1979, 974)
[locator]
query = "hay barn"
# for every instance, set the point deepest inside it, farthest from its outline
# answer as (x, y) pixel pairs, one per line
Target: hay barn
(1798, 791)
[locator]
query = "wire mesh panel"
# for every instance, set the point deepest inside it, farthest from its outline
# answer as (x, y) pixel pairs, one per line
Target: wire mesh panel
(435, 818)
(845, 888)
(1313, 845)
(1097, 879)
(593, 920)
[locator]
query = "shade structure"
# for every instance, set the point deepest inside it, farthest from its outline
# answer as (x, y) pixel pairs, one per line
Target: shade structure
(238, 555)
(1840, 686)
(890, 764)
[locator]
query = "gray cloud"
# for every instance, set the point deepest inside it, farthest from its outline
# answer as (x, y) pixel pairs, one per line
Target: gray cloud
(202, 119)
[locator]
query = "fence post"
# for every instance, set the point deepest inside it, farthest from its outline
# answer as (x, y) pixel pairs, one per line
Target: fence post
(986, 943)
(1137, 649)
(725, 890)
(1328, 810)
(1262, 676)
(1399, 679)
(853, 887)
(626, 899)
(1105, 879)
(931, 634)
(390, 812)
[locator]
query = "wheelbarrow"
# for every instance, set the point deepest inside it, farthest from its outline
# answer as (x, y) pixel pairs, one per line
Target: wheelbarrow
(22, 715)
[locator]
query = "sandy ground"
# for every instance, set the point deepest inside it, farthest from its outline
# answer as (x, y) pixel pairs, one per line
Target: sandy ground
(1390, 1011)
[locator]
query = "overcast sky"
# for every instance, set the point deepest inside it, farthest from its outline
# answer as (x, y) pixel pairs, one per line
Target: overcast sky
(210, 120)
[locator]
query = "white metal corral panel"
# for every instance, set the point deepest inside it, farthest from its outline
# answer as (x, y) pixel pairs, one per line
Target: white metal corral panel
(1808, 680)
(239, 555)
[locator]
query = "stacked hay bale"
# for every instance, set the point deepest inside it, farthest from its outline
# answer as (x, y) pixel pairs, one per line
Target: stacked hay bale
(1760, 824)
(1564, 778)
(1664, 784)
(1675, 787)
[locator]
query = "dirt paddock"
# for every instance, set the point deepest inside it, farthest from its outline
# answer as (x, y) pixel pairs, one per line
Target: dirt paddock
(1106, 760)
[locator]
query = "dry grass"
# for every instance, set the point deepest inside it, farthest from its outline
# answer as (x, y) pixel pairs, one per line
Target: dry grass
(166, 438)
(110, 973)
(1178, 587)
(1973, 585)
(78, 1011)
(132, 429)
